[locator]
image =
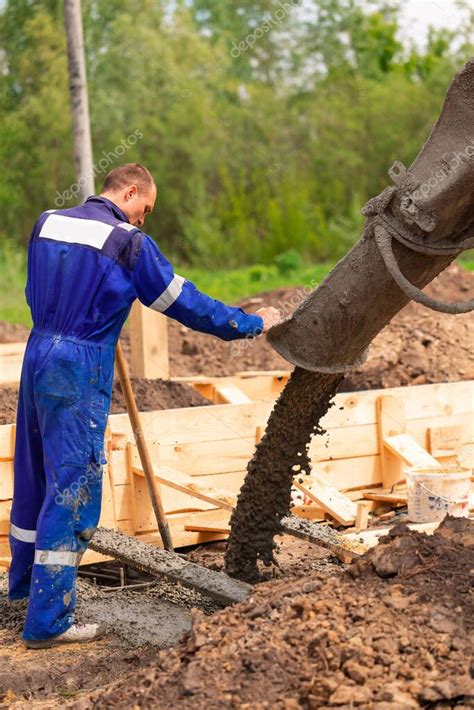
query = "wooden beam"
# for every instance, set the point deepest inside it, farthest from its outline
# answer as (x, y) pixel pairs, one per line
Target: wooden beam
(445, 440)
(230, 394)
(148, 342)
(395, 497)
(407, 449)
(215, 521)
(186, 484)
(362, 516)
(390, 421)
(339, 506)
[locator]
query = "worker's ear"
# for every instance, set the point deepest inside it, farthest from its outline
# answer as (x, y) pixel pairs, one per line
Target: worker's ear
(131, 192)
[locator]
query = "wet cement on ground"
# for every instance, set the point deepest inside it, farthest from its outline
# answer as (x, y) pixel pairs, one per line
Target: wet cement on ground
(157, 615)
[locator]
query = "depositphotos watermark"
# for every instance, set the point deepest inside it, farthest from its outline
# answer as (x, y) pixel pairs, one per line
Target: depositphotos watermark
(286, 308)
(109, 157)
(266, 26)
(452, 161)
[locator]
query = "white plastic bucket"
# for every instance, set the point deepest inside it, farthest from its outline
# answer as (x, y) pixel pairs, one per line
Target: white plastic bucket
(436, 492)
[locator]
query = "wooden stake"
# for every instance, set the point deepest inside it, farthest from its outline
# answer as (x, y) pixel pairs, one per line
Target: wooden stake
(362, 516)
(142, 448)
(148, 343)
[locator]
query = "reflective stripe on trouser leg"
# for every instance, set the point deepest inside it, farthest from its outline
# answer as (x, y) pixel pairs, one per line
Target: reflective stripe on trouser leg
(72, 416)
(53, 586)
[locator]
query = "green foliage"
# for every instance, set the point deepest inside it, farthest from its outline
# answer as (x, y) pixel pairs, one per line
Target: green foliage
(265, 157)
(288, 262)
(13, 307)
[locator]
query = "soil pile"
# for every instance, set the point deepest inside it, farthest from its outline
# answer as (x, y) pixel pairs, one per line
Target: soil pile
(157, 394)
(418, 346)
(394, 633)
(150, 396)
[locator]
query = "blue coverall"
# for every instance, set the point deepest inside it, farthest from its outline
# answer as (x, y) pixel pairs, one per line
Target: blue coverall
(86, 266)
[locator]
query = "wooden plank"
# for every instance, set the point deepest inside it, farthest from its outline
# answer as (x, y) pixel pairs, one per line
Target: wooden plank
(328, 498)
(5, 562)
(362, 471)
(408, 449)
(6, 444)
(197, 424)
(445, 440)
(185, 484)
(309, 512)
(5, 508)
(6, 480)
(123, 502)
(11, 360)
(149, 342)
(421, 402)
(5, 546)
(182, 537)
(215, 521)
(107, 513)
(205, 457)
(230, 394)
(390, 421)
(395, 497)
(230, 481)
(118, 462)
(362, 517)
(362, 440)
(257, 386)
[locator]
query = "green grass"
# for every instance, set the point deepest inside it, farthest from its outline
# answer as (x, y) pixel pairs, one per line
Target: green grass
(13, 307)
(236, 284)
(227, 285)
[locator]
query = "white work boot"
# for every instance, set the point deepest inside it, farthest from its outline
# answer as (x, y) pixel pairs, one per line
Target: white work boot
(77, 633)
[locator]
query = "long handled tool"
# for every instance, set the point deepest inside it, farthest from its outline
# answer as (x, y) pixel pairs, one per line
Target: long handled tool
(140, 441)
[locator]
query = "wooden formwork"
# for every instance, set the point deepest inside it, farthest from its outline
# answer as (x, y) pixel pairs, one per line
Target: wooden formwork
(200, 456)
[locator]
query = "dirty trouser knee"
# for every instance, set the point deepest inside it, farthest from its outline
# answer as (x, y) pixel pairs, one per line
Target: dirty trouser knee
(71, 396)
(65, 526)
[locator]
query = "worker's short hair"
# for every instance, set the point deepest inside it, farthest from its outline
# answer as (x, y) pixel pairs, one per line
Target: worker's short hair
(128, 174)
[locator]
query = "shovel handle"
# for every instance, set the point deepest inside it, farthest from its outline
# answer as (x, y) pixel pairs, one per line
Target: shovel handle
(126, 385)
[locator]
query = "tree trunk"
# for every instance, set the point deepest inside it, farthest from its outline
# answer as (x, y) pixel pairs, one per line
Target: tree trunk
(79, 99)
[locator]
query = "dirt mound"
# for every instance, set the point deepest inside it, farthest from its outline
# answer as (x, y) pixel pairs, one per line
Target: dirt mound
(419, 346)
(157, 394)
(400, 640)
(150, 395)
(13, 332)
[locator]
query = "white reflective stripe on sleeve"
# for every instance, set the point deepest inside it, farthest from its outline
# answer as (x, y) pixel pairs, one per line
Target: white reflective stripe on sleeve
(64, 558)
(127, 226)
(169, 295)
(22, 534)
(88, 232)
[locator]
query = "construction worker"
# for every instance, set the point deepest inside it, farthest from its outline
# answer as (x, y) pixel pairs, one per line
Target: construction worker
(86, 266)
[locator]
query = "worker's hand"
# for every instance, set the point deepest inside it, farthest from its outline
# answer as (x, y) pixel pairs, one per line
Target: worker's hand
(271, 316)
